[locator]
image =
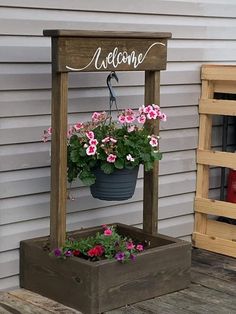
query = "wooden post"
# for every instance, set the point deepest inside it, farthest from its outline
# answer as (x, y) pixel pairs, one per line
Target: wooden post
(150, 192)
(59, 153)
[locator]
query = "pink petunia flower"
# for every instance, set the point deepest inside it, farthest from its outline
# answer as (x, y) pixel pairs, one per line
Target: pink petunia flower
(152, 114)
(91, 150)
(129, 118)
(70, 132)
(107, 232)
(78, 126)
(142, 119)
(96, 116)
(49, 131)
(111, 158)
(139, 247)
(156, 107)
(130, 245)
(147, 109)
(163, 117)
(122, 119)
(141, 109)
(90, 135)
(93, 142)
(153, 141)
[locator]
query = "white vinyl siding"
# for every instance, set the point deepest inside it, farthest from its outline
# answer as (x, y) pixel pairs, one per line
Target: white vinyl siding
(203, 32)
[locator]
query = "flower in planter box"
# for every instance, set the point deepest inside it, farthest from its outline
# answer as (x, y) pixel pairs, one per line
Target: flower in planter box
(110, 144)
(108, 244)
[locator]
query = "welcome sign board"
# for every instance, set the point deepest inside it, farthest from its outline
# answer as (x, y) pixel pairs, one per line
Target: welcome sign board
(86, 54)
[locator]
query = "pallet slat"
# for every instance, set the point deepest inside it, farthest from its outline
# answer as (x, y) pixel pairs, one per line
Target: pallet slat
(214, 207)
(218, 107)
(220, 72)
(216, 158)
(214, 244)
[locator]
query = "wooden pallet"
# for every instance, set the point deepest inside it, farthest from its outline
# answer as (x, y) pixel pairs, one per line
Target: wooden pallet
(210, 234)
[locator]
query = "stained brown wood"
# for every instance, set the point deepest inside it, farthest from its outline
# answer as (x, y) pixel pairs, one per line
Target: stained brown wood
(212, 290)
(105, 34)
(150, 190)
(104, 285)
(107, 54)
(58, 154)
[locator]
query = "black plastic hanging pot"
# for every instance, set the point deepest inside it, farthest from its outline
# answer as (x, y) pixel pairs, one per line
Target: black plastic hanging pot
(117, 186)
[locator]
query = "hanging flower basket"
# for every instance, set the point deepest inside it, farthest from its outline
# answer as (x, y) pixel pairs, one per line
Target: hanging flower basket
(117, 186)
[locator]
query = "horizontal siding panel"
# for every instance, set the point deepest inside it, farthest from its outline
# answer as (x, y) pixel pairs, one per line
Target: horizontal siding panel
(9, 283)
(33, 181)
(130, 213)
(37, 49)
(176, 227)
(30, 129)
(15, 21)
(31, 103)
(38, 76)
(36, 206)
(13, 157)
(183, 8)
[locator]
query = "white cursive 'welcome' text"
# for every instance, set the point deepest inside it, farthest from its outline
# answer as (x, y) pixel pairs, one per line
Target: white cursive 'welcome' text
(115, 58)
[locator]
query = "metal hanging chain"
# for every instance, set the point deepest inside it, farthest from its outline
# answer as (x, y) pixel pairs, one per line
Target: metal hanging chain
(112, 99)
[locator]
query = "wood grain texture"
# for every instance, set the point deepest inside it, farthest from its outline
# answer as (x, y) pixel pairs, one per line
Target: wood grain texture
(103, 34)
(104, 285)
(109, 54)
(216, 158)
(58, 154)
(218, 72)
(212, 290)
(217, 107)
(214, 207)
(150, 192)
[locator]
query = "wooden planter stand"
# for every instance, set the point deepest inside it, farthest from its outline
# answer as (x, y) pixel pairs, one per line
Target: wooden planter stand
(100, 286)
(210, 234)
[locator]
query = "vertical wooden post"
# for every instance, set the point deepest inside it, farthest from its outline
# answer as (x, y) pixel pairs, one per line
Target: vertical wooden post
(59, 153)
(203, 174)
(150, 197)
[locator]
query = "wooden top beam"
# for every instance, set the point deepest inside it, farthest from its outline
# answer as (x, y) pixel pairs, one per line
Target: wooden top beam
(102, 34)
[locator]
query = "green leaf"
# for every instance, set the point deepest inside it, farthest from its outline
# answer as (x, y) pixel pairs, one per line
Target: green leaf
(119, 164)
(88, 180)
(74, 155)
(107, 168)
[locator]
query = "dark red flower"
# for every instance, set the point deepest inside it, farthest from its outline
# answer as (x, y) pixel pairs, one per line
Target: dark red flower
(76, 252)
(98, 250)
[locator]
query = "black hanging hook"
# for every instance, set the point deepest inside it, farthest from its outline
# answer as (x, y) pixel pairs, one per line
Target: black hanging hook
(112, 75)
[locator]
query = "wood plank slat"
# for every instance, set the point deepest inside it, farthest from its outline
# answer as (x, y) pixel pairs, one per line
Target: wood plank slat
(216, 158)
(218, 107)
(221, 230)
(214, 244)
(41, 302)
(218, 72)
(215, 207)
(13, 305)
(225, 87)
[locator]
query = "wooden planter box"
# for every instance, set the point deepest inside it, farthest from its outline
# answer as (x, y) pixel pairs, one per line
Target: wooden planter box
(95, 287)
